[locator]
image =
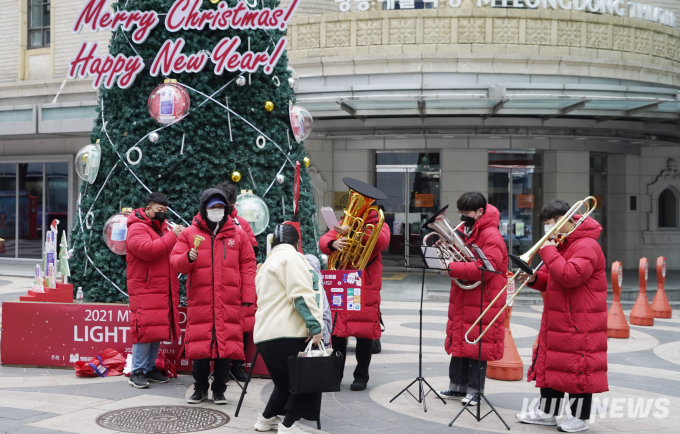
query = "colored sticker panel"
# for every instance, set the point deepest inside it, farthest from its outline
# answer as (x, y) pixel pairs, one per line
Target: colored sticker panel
(343, 288)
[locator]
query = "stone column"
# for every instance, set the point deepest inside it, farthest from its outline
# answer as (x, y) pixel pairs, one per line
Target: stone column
(566, 176)
(623, 224)
(463, 170)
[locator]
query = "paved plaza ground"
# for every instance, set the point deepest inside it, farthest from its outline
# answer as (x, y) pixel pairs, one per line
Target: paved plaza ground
(646, 366)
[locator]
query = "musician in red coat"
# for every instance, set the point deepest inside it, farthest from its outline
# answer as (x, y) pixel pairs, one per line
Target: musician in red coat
(571, 356)
(153, 287)
(364, 325)
(481, 229)
(248, 312)
(221, 279)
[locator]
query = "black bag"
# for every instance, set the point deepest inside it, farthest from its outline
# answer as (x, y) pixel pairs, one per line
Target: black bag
(307, 375)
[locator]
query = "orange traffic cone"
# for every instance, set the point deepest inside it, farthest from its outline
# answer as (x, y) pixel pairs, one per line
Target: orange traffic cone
(642, 314)
(510, 366)
(533, 347)
(660, 305)
(617, 326)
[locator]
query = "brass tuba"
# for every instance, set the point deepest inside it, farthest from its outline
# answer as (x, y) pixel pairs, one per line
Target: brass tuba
(451, 246)
(362, 237)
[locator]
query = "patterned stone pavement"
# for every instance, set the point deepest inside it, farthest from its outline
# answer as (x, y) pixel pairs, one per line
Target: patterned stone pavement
(643, 370)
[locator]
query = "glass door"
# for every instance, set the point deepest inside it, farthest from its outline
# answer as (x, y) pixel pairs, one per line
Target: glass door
(515, 190)
(411, 182)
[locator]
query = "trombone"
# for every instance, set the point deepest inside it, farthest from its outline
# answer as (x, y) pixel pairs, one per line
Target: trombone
(523, 261)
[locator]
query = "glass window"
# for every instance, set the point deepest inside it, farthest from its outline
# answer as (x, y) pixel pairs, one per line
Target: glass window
(38, 23)
(8, 200)
(668, 209)
(56, 195)
(30, 210)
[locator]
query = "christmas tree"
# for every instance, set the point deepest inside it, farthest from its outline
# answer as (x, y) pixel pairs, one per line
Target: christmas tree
(62, 265)
(203, 148)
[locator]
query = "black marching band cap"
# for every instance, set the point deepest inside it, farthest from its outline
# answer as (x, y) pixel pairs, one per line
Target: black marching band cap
(364, 189)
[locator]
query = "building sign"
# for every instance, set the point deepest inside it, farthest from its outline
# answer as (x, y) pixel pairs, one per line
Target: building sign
(525, 201)
(621, 8)
(182, 15)
(424, 200)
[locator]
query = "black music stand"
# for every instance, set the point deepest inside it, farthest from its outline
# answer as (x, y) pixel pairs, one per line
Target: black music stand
(479, 395)
(420, 379)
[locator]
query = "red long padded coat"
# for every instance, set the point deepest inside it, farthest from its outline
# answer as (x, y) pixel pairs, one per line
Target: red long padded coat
(366, 322)
(151, 282)
(219, 280)
(571, 355)
(464, 305)
(248, 312)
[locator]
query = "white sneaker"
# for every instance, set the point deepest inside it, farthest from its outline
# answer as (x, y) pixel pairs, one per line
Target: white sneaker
(573, 424)
(294, 429)
(472, 399)
(536, 417)
(271, 424)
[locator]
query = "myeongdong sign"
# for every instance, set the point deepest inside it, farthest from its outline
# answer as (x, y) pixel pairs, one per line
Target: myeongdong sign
(621, 8)
(182, 15)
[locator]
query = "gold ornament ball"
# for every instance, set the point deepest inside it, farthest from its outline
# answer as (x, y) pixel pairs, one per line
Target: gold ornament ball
(236, 176)
(214, 1)
(269, 106)
(307, 161)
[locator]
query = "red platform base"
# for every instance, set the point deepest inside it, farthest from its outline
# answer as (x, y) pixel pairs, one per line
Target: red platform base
(59, 334)
(63, 293)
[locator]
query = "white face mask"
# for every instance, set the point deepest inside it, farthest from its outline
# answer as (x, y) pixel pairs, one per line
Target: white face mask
(215, 215)
(548, 228)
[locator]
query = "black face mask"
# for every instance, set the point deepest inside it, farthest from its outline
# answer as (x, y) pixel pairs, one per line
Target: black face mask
(160, 216)
(469, 221)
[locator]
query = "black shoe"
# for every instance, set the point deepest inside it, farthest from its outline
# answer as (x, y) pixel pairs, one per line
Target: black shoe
(155, 376)
(138, 379)
(238, 372)
(218, 398)
(450, 394)
(358, 386)
(377, 347)
(198, 397)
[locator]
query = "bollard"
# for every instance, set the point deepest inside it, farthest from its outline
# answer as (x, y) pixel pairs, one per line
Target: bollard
(617, 326)
(660, 305)
(642, 314)
(510, 366)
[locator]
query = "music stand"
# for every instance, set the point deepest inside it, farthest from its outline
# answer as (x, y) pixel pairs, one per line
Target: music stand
(420, 379)
(479, 395)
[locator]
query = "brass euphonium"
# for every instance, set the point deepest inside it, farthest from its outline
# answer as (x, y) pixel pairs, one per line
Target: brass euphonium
(362, 237)
(451, 247)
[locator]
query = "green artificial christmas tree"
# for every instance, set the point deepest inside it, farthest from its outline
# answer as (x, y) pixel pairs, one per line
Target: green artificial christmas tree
(204, 148)
(62, 265)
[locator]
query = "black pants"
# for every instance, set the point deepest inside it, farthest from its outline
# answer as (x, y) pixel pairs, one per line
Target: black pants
(364, 351)
(201, 372)
(464, 375)
(235, 363)
(580, 403)
(275, 354)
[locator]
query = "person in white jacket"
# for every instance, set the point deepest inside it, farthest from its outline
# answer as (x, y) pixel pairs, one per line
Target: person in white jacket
(287, 317)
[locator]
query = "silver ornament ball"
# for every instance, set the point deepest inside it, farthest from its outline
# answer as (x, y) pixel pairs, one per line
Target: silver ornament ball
(324, 259)
(153, 137)
(240, 80)
(280, 178)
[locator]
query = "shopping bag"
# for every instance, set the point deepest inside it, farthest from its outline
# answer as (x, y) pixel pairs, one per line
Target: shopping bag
(309, 374)
(165, 366)
(321, 352)
(107, 363)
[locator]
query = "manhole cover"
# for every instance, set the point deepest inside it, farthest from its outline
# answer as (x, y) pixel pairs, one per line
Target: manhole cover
(162, 419)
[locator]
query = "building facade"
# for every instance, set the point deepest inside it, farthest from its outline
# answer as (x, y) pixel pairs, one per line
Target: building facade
(523, 101)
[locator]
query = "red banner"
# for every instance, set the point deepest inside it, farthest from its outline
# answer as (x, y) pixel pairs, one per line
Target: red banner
(60, 334)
